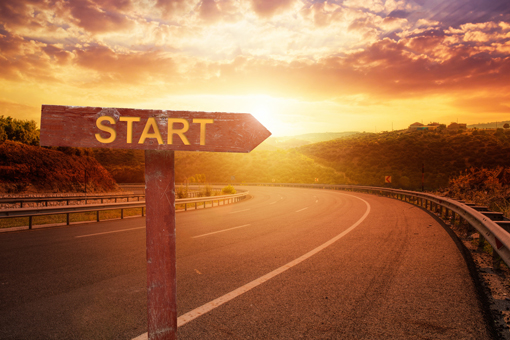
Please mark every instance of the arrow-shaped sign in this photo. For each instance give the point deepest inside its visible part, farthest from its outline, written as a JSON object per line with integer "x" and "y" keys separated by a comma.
{"x": 119, "y": 128}
{"x": 160, "y": 132}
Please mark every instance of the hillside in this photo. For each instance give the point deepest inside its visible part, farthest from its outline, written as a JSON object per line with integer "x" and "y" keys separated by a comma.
{"x": 127, "y": 166}
{"x": 490, "y": 125}
{"x": 26, "y": 168}
{"x": 289, "y": 142}
{"x": 282, "y": 166}
{"x": 366, "y": 159}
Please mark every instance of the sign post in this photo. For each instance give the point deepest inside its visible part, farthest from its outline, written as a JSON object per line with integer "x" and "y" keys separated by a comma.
{"x": 159, "y": 133}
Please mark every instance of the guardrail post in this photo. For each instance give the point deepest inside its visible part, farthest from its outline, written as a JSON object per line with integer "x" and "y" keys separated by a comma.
{"x": 121, "y": 213}
{"x": 185, "y": 207}
{"x": 481, "y": 241}
{"x": 67, "y": 218}
{"x": 98, "y": 215}
{"x": 142, "y": 211}
{"x": 195, "y": 205}
{"x": 30, "y": 222}
{"x": 496, "y": 259}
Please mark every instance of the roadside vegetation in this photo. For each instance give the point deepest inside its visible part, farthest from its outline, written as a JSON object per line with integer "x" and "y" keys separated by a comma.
{"x": 487, "y": 187}
{"x": 26, "y": 168}
{"x": 366, "y": 159}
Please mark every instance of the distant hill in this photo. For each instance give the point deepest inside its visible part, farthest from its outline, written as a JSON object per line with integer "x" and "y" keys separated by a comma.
{"x": 366, "y": 159}
{"x": 491, "y": 125}
{"x": 282, "y": 166}
{"x": 289, "y": 142}
{"x": 127, "y": 166}
{"x": 26, "y": 168}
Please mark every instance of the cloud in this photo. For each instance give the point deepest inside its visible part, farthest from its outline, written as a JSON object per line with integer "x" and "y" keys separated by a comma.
{"x": 457, "y": 12}
{"x": 129, "y": 68}
{"x": 213, "y": 11}
{"x": 268, "y": 8}
{"x": 95, "y": 19}
{"x": 172, "y": 8}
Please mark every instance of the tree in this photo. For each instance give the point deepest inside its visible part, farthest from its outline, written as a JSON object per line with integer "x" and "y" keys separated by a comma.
{"x": 24, "y": 131}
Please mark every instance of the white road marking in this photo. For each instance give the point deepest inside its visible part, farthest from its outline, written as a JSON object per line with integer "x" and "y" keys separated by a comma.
{"x": 190, "y": 316}
{"x": 235, "y": 212}
{"x": 220, "y": 231}
{"x": 302, "y": 209}
{"x": 109, "y": 232}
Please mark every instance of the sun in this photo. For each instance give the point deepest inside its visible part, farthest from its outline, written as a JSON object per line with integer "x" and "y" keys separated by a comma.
{"x": 266, "y": 117}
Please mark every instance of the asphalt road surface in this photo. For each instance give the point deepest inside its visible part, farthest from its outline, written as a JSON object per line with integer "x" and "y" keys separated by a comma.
{"x": 288, "y": 263}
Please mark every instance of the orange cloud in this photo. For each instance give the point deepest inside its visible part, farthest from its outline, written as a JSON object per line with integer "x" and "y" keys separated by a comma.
{"x": 268, "y": 8}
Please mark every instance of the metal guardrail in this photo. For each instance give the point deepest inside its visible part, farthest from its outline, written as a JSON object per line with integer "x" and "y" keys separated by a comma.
{"x": 60, "y": 210}
{"x": 492, "y": 227}
{"x": 86, "y": 198}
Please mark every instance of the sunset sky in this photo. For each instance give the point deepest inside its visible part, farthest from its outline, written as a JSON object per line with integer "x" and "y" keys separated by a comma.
{"x": 299, "y": 66}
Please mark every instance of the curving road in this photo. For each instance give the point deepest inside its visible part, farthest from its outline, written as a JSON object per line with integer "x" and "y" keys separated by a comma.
{"x": 288, "y": 263}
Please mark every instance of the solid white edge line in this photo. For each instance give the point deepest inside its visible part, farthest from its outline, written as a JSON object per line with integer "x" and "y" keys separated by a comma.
{"x": 235, "y": 212}
{"x": 220, "y": 231}
{"x": 190, "y": 316}
{"x": 109, "y": 232}
{"x": 302, "y": 209}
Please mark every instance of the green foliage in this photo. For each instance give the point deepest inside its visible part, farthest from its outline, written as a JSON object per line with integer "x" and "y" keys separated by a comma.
{"x": 208, "y": 191}
{"x": 404, "y": 182}
{"x": 366, "y": 159}
{"x": 181, "y": 192}
{"x": 290, "y": 166}
{"x": 125, "y": 166}
{"x": 228, "y": 190}
{"x": 23, "y": 131}
{"x": 284, "y": 166}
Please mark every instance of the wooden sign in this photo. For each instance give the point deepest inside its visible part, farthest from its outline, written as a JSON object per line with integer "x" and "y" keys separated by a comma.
{"x": 159, "y": 132}
{"x": 97, "y": 127}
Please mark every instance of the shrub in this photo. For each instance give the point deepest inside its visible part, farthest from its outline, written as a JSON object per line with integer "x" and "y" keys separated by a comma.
{"x": 229, "y": 189}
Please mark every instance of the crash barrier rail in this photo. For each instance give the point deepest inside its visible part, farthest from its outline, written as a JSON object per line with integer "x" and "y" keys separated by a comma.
{"x": 492, "y": 226}
{"x": 67, "y": 199}
{"x": 192, "y": 188}
{"x": 60, "y": 210}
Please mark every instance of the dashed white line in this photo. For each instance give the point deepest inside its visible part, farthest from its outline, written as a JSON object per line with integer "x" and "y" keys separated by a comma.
{"x": 109, "y": 232}
{"x": 221, "y": 231}
{"x": 235, "y": 212}
{"x": 190, "y": 316}
{"x": 302, "y": 209}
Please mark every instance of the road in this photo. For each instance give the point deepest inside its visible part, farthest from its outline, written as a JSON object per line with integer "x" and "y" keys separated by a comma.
{"x": 288, "y": 263}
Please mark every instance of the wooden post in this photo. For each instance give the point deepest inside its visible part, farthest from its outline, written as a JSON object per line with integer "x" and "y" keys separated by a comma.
{"x": 160, "y": 228}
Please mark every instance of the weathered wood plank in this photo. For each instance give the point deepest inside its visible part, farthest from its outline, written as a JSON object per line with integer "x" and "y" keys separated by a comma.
{"x": 123, "y": 128}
